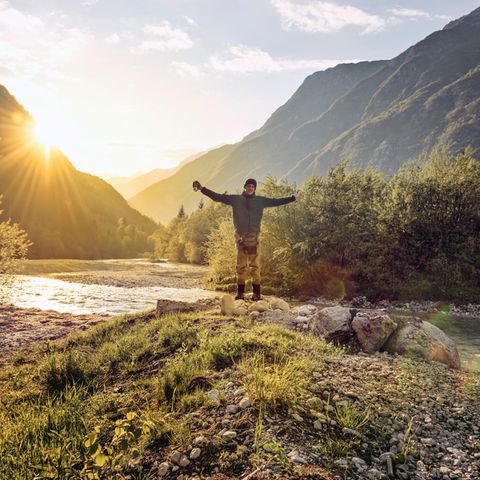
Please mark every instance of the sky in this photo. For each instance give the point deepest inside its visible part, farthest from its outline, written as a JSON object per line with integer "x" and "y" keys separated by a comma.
{"x": 126, "y": 86}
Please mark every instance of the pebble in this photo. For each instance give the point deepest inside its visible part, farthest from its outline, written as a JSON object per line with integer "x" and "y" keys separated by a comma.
{"x": 239, "y": 391}
{"x": 213, "y": 395}
{"x": 297, "y": 417}
{"x": 232, "y": 409}
{"x": 195, "y": 453}
{"x": 229, "y": 435}
{"x": 244, "y": 403}
{"x": 163, "y": 469}
{"x": 295, "y": 457}
{"x": 200, "y": 440}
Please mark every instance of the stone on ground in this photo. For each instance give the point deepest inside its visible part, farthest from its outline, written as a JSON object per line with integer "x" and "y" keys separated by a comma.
{"x": 227, "y": 305}
{"x": 417, "y": 338}
{"x": 373, "y": 328}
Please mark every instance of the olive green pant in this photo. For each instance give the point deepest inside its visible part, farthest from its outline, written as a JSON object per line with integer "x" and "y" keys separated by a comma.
{"x": 247, "y": 260}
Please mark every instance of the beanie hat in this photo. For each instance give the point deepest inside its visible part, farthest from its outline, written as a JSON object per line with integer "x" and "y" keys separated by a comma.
{"x": 250, "y": 181}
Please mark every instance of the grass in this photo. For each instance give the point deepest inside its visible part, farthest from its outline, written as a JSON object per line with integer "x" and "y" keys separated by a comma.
{"x": 158, "y": 369}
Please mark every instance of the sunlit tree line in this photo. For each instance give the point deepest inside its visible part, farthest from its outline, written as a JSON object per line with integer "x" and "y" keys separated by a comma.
{"x": 413, "y": 235}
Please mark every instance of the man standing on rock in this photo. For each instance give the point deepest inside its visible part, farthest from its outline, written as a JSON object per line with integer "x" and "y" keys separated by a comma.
{"x": 247, "y": 217}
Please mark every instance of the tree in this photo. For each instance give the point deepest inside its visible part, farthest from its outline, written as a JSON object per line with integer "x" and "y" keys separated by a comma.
{"x": 13, "y": 248}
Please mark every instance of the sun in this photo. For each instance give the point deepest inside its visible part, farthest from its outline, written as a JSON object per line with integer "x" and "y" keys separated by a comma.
{"x": 44, "y": 134}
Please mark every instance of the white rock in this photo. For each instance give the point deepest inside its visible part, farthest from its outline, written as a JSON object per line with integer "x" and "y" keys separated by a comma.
{"x": 195, "y": 453}
{"x": 295, "y": 457}
{"x": 244, "y": 403}
{"x": 227, "y": 305}
{"x": 229, "y": 435}
{"x": 280, "y": 304}
{"x": 260, "y": 306}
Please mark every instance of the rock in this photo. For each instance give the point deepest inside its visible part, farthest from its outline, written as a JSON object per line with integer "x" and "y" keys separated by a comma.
{"x": 414, "y": 337}
{"x": 317, "y": 425}
{"x": 306, "y": 310}
{"x": 280, "y": 304}
{"x": 297, "y": 417}
{"x": 213, "y": 395}
{"x": 245, "y": 403}
{"x": 359, "y": 463}
{"x": 232, "y": 409}
{"x": 227, "y": 305}
{"x": 240, "y": 311}
{"x": 254, "y": 314}
{"x": 229, "y": 435}
{"x": 184, "y": 461}
{"x": 373, "y": 329}
{"x": 195, "y": 453}
{"x": 176, "y": 456}
{"x": 334, "y": 324}
{"x": 295, "y": 457}
{"x": 260, "y": 306}
{"x": 200, "y": 440}
{"x": 374, "y": 474}
{"x": 163, "y": 469}
{"x": 239, "y": 391}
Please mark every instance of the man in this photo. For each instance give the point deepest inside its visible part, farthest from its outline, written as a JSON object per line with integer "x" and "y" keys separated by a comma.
{"x": 247, "y": 216}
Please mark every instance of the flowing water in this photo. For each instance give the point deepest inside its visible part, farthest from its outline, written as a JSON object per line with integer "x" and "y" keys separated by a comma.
{"x": 78, "y": 298}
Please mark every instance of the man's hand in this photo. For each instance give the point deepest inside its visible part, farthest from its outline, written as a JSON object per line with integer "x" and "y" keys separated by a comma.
{"x": 298, "y": 195}
{"x": 197, "y": 185}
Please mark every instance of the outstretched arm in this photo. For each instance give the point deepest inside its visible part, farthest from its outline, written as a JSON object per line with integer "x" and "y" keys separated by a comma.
{"x": 276, "y": 202}
{"x": 216, "y": 197}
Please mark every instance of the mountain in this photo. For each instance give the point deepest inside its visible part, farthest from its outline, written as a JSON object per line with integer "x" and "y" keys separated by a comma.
{"x": 66, "y": 213}
{"x": 379, "y": 114}
{"x": 130, "y": 186}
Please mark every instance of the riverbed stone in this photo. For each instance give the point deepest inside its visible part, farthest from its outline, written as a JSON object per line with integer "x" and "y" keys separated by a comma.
{"x": 227, "y": 305}
{"x": 373, "y": 328}
{"x": 334, "y": 324}
{"x": 280, "y": 304}
{"x": 416, "y": 338}
{"x": 260, "y": 306}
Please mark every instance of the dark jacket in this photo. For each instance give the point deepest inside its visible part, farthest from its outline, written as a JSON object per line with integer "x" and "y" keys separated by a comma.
{"x": 247, "y": 209}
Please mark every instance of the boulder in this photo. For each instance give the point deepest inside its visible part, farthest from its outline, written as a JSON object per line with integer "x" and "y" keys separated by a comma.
{"x": 414, "y": 337}
{"x": 334, "y": 324}
{"x": 239, "y": 311}
{"x": 227, "y": 305}
{"x": 373, "y": 328}
{"x": 260, "y": 306}
{"x": 280, "y": 304}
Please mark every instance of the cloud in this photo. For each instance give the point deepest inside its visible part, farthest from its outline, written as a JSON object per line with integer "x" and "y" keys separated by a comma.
{"x": 113, "y": 39}
{"x": 325, "y": 17}
{"x": 183, "y": 69}
{"x": 244, "y": 59}
{"x": 190, "y": 21}
{"x": 31, "y": 47}
{"x": 414, "y": 14}
{"x": 166, "y": 37}
{"x": 89, "y": 3}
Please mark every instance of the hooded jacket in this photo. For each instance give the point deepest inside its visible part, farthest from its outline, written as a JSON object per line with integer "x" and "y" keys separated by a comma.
{"x": 247, "y": 209}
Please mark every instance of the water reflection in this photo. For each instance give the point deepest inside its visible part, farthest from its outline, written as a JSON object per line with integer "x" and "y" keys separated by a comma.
{"x": 77, "y": 298}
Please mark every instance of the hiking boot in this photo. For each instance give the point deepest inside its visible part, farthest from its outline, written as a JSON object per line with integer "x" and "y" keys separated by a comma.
{"x": 240, "y": 292}
{"x": 256, "y": 293}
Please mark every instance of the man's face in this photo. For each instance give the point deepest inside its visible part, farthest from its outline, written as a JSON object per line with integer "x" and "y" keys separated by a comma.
{"x": 249, "y": 188}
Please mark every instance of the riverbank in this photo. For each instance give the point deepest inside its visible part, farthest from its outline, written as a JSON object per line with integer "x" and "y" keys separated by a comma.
{"x": 218, "y": 398}
{"x": 129, "y": 273}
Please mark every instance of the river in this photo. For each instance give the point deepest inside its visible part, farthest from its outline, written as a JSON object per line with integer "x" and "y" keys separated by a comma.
{"x": 120, "y": 286}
